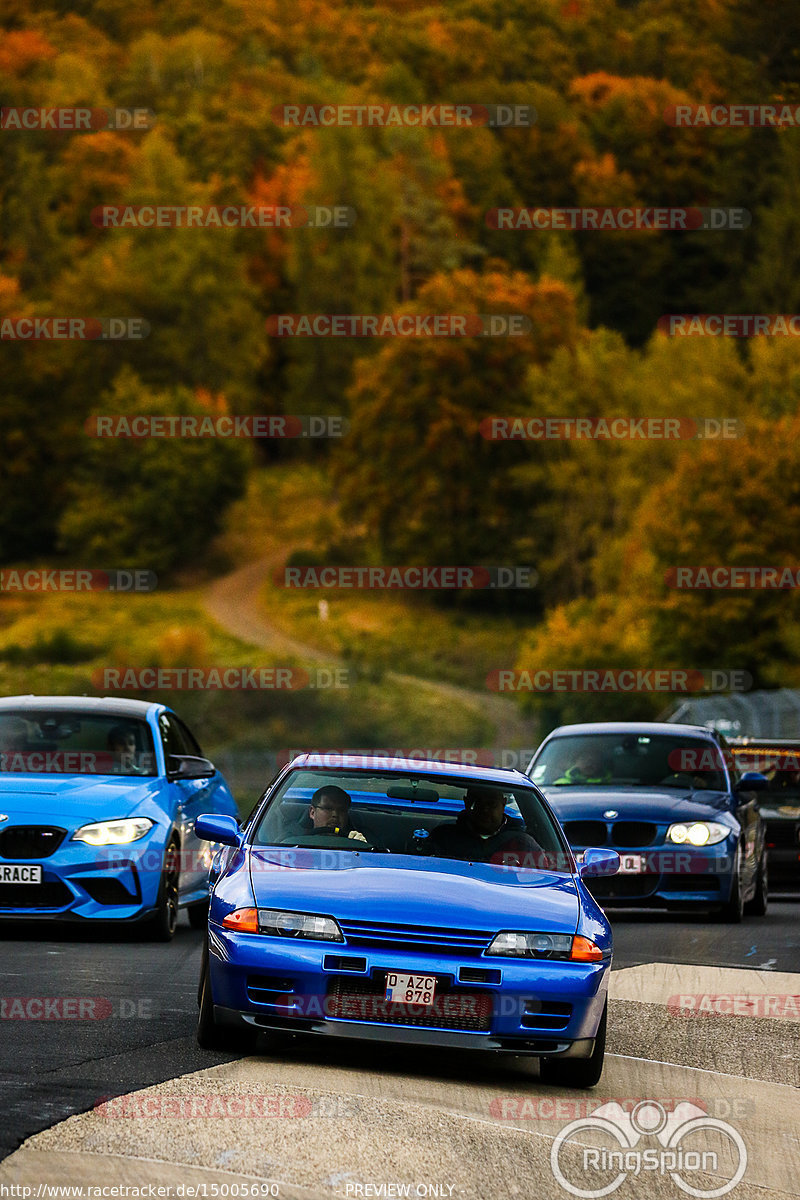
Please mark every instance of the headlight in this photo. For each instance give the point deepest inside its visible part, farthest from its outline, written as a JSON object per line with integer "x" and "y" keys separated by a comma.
{"x": 114, "y": 833}
{"x": 698, "y": 833}
{"x": 561, "y": 946}
{"x": 298, "y": 925}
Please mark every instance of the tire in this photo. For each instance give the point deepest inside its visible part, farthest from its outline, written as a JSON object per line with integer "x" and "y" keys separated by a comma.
{"x": 211, "y": 1035}
{"x": 757, "y": 907}
{"x": 161, "y": 927}
{"x": 732, "y": 911}
{"x": 578, "y": 1072}
{"x": 198, "y": 915}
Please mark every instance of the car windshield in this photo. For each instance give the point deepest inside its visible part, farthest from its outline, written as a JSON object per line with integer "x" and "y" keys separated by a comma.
{"x": 70, "y": 743}
{"x": 629, "y": 760}
{"x": 414, "y": 814}
{"x": 780, "y": 764}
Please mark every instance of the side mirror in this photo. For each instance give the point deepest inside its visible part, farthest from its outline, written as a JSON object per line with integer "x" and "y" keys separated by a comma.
{"x": 218, "y": 827}
{"x": 189, "y": 766}
{"x": 752, "y": 781}
{"x": 598, "y": 862}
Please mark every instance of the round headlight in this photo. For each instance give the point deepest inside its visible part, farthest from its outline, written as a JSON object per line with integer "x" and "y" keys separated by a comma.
{"x": 698, "y": 834}
{"x": 679, "y": 833}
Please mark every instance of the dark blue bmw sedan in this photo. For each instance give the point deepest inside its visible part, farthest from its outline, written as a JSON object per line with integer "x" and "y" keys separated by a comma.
{"x": 407, "y": 902}
{"x": 669, "y": 799}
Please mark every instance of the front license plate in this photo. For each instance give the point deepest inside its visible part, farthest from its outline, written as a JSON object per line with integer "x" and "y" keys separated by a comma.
{"x": 630, "y": 864}
{"x": 20, "y": 873}
{"x": 410, "y": 989}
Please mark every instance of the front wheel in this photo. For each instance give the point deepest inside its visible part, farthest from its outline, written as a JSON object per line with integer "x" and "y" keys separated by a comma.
{"x": 578, "y": 1072}
{"x": 161, "y": 927}
{"x": 732, "y": 911}
{"x": 758, "y": 905}
{"x": 210, "y": 1034}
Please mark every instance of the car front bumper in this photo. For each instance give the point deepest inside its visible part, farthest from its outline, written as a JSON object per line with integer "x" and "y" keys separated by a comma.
{"x": 483, "y": 1002}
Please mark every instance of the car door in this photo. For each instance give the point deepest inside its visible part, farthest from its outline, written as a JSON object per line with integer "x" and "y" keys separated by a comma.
{"x": 190, "y": 798}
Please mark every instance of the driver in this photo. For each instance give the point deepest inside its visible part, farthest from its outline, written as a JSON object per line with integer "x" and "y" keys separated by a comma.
{"x": 587, "y": 768}
{"x": 329, "y": 812}
{"x": 483, "y": 833}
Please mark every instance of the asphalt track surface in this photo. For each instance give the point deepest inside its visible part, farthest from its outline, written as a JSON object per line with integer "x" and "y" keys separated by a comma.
{"x": 145, "y": 993}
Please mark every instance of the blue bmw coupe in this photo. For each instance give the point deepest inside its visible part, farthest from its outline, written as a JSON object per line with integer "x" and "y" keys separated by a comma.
{"x": 670, "y": 800}
{"x": 98, "y": 801}
{"x": 407, "y": 902}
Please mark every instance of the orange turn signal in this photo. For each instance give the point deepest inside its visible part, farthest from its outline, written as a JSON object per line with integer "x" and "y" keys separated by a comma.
{"x": 585, "y": 951}
{"x": 243, "y": 920}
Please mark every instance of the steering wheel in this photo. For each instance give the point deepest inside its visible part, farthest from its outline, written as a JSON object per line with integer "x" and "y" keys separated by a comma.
{"x": 326, "y": 840}
{"x": 682, "y": 779}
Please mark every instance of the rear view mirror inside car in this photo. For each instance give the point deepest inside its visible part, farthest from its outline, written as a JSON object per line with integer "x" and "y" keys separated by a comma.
{"x": 416, "y": 795}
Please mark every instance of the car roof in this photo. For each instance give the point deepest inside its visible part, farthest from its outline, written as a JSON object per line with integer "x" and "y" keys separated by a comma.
{"x": 115, "y": 706}
{"x": 651, "y": 727}
{"x": 404, "y": 766}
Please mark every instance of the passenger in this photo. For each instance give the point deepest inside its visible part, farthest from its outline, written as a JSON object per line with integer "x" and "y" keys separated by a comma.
{"x": 483, "y": 833}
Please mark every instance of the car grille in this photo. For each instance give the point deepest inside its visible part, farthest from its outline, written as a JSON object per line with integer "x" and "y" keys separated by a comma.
{"x": 586, "y": 833}
{"x": 30, "y": 841}
{"x": 416, "y": 938}
{"x": 49, "y": 894}
{"x": 623, "y": 887}
{"x": 453, "y": 1008}
{"x": 619, "y": 833}
{"x": 633, "y": 833}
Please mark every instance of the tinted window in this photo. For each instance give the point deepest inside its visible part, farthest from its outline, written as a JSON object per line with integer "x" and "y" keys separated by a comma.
{"x": 629, "y": 759}
{"x": 401, "y": 814}
{"x": 48, "y": 742}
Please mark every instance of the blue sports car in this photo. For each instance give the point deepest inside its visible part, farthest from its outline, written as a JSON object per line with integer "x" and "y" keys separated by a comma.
{"x": 98, "y": 801}
{"x": 407, "y": 902}
{"x": 670, "y": 800}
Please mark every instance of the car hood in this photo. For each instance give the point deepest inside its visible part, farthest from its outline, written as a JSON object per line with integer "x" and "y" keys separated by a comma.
{"x": 413, "y": 891}
{"x": 56, "y": 799}
{"x": 636, "y": 804}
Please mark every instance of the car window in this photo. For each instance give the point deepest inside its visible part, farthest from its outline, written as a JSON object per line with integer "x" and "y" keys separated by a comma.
{"x": 629, "y": 760}
{"x": 419, "y": 815}
{"x": 172, "y": 735}
{"x": 189, "y": 740}
{"x": 75, "y": 743}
